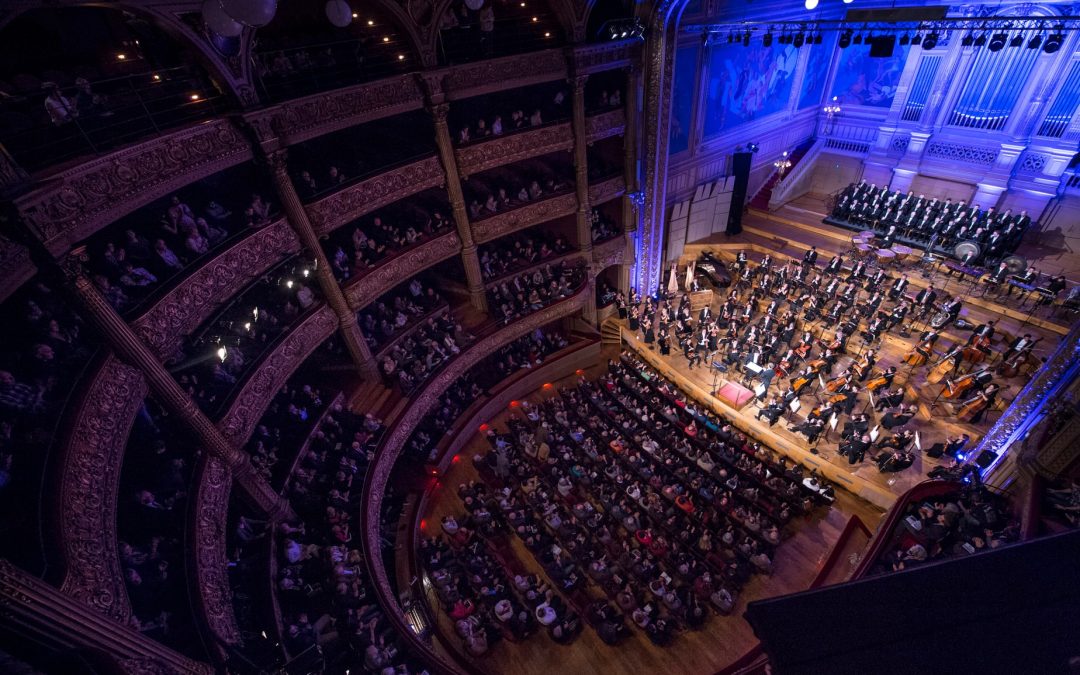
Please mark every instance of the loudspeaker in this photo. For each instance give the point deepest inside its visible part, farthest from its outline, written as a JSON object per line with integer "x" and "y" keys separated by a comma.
{"x": 985, "y": 458}
{"x": 740, "y": 166}
{"x": 882, "y": 46}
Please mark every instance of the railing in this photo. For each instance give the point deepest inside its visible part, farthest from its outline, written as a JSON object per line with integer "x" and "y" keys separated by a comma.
{"x": 797, "y": 182}
{"x": 513, "y": 147}
{"x": 606, "y": 190}
{"x": 530, "y": 214}
{"x": 610, "y": 252}
{"x": 361, "y": 291}
{"x": 42, "y": 129}
{"x": 254, "y": 395}
{"x": 605, "y": 124}
{"x": 853, "y": 147}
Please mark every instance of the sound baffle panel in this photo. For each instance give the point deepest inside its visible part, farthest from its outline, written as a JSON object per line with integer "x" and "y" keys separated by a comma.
{"x": 705, "y": 214}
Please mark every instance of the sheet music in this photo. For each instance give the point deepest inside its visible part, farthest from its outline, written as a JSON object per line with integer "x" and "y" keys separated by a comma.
{"x": 795, "y": 405}
{"x": 874, "y": 433}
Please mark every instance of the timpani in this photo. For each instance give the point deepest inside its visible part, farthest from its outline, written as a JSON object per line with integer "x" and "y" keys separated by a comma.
{"x": 902, "y": 252}
{"x": 885, "y": 256}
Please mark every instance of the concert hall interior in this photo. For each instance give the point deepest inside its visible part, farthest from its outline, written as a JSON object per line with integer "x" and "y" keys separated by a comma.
{"x": 485, "y": 337}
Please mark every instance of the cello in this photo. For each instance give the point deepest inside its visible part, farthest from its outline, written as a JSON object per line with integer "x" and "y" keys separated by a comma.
{"x": 922, "y": 353}
{"x": 1011, "y": 366}
{"x": 943, "y": 366}
{"x": 878, "y": 382}
{"x": 956, "y": 389}
{"x": 974, "y": 406}
{"x": 835, "y": 383}
{"x": 978, "y": 349}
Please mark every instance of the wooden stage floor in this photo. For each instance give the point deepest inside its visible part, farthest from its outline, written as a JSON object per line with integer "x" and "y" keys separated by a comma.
{"x": 720, "y": 642}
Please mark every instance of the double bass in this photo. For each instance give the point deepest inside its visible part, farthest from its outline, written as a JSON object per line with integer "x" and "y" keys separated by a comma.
{"x": 877, "y": 382}
{"x": 1011, "y": 366}
{"x": 978, "y": 349}
{"x": 973, "y": 407}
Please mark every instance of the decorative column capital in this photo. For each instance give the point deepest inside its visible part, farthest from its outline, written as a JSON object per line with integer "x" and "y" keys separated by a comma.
{"x": 277, "y": 161}
{"x": 439, "y": 111}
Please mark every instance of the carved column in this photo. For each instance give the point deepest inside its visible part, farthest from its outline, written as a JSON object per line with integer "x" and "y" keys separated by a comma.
{"x": 630, "y": 172}
{"x": 469, "y": 259}
{"x": 581, "y": 162}
{"x": 29, "y": 606}
{"x": 172, "y": 396}
{"x": 298, "y": 220}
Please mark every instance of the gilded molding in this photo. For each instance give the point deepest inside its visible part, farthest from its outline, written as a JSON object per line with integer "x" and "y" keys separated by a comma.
{"x": 74, "y": 204}
{"x": 183, "y": 309}
{"x": 605, "y": 125}
{"x": 359, "y": 199}
{"x": 211, "y": 582}
{"x": 304, "y": 118}
{"x": 473, "y": 79}
{"x": 91, "y": 456}
{"x": 531, "y": 214}
{"x": 271, "y": 373}
{"x": 15, "y": 266}
{"x": 360, "y": 292}
{"x": 610, "y": 253}
{"x": 607, "y": 190}
{"x": 502, "y": 150}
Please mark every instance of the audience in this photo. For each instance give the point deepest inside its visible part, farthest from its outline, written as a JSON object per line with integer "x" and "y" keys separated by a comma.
{"x": 603, "y": 227}
{"x": 510, "y": 187}
{"x": 509, "y": 111}
{"x": 519, "y": 251}
{"x": 528, "y": 292}
{"x": 410, "y": 361}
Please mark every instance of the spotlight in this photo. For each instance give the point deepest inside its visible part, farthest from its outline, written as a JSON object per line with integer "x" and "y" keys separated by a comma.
{"x": 766, "y": 40}
{"x": 1017, "y": 40}
{"x": 904, "y": 39}
{"x": 1053, "y": 41}
{"x": 1035, "y": 42}
{"x": 845, "y": 39}
{"x": 930, "y": 41}
{"x": 222, "y": 353}
{"x": 848, "y": 2}
{"x": 916, "y": 39}
{"x": 980, "y": 39}
{"x": 730, "y": 38}
{"x": 997, "y": 41}
{"x": 967, "y": 40}
{"x": 817, "y": 39}
{"x": 752, "y": 147}
{"x": 858, "y": 39}
{"x": 746, "y": 39}
{"x": 810, "y": 4}
{"x": 800, "y": 40}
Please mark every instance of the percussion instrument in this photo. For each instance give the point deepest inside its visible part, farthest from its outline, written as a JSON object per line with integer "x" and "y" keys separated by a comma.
{"x": 863, "y": 250}
{"x": 967, "y": 250}
{"x": 1027, "y": 288}
{"x": 1015, "y": 264}
{"x": 902, "y": 252}
{"x": 868, "y": 235}
{"x": 857, "y": 239}
{"x": 885, "y": 256}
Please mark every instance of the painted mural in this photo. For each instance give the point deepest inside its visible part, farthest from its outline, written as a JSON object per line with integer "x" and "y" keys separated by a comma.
{"x": 812, "y": 88}
{"x": 864, "y": 80}
{"x": 682, "y": 98}
{"x": 747, "y": 83}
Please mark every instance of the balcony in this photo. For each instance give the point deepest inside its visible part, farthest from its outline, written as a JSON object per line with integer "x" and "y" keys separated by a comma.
{"x": 360, "y": 292}
{"x": 513, "y": 147}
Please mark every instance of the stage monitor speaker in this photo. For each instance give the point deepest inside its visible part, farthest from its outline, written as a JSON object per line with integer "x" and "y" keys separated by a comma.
{"x": 882, "y": 46}
{"x": 985, "y": 458}
{"x": 740, "y": 165}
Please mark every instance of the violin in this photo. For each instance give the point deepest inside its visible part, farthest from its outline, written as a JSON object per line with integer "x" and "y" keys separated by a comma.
{"x": 956, "y": 389}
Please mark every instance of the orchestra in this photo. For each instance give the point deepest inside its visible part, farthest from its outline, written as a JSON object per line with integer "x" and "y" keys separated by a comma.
{"x": 791, "y": 322}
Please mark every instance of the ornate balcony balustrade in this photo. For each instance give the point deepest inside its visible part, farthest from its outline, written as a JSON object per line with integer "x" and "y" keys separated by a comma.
{"x": 195, "y": 299}
{"x": 74, "y": 204}
{"x": 595, "y": 58}
{"x": 15, "y": 267}
{"x": 606, "y": 190}
{"x": 89, "y": 482}
{"x": 362, "y": 291}
{"x": 611, "y": 252}
{"x": 366, "y": 196}
{"x": 531, "y": 214}
{"x": 257, "y": 391}
{"x": 207, "y": 546}
{"x": 514, "y": 147}
{"x": 605, "y": 125}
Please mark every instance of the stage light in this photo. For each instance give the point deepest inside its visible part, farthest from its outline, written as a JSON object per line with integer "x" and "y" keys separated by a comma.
{"x": 845, "y": 39}
{"x": 746, "y": 39}
{"x": 810, "y": 4}
{"x": 858, "y": 39}
{"x": 1035, "y": 42}
{"x": 730, "y": 37}
{"x": 222, "y": 353}
{"x": 289, "y": 283}
{"x": 967, "y": 40}
{"x": 930, "y": 41}
{"x": 904, "y": 39}
{"x": 997, "y": 41}
{"x": 817, "y": 39}
{"x": 800, "y": 40}
{"x": 848, "y": 2}
{"x": 916, "y": 39}
{"x": 1017, "y": 40}
{"x": 1053, "y": 41}
{"x": 766, "y": 39}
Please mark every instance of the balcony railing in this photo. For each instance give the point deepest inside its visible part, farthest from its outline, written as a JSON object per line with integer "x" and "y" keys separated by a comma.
{"x": 528, "y": 215}
{"x": 513, "y": 147}
{"x": 360, "y": 292}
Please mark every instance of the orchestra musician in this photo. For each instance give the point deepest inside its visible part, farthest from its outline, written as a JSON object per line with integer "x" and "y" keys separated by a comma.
{"x": 865, "y": 364}
{"x": 858, "y": 424}
{"x": 974, "y": 409}
{"x": 924, "y": 300}
{"x": 897, "y": 288}
{"x": 1018, "y": 345}
{"x": 885, "y": 379}
{"x": 899, "y": 417}
{"x": 810, "y": 257}
{"x": 983, "y": 330}
{"x": 772, "y": 411}
{"x": 855, "y": 448}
